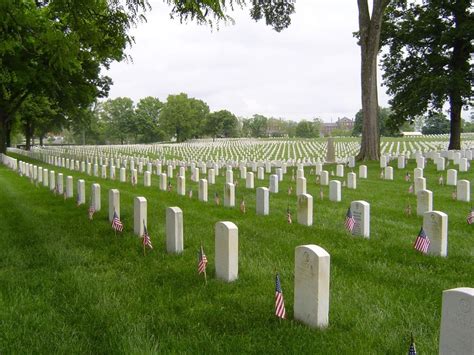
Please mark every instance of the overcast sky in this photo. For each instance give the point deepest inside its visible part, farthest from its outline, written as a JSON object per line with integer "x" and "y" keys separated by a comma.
{"x": 311, "y": 69}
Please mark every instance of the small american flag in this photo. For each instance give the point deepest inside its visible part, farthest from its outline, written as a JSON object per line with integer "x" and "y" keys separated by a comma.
{"x": 407, "y": 177}
{"x": 350, "y": 221}
{"x": 412, "y": 349}
{"x": 202, "y": 262}
{"x": 134, "y": 179}
{"x": 217, "y": 199}
{"x": 91, "y": 212}
{"x": 288, "y": 215}
{"x": 117, "y": 224}
{"x": 422, "y": 242}
{"x": 321, "y": 194}
{"x": 290, "y": 190}
{"x": 279, "y": 302}
{"x": 381, "y": 174}
{"x": 242, "y": 206}
{"x": 190, "y": 194}
{"x": 454, "y": 195}
{"x": 470, "y": 217}
{"x": 146, "y": 238}
{"x": 170, "y": 187}
{"x": 441, "y": 180}
{"x": 410, "y": 189}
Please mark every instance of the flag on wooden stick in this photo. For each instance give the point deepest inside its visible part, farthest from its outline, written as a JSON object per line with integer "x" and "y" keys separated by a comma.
{"x": 350, "y": 221}
{"x": 410, "y": 189}
{"x": 146, "y": 238}
{"x": 279, "y": 302}
{"x": 470, "y": 217}
{"x": 117, "y": 224}
{"x": 242, "y": 206}
{"x": 412, "y": 349}
{"x": 91, "y": 212}
{"x": 288, "y": 215}
{"x": 422, "y": 242}
{"x": 202, "y": 261}
{"x": 407, "y": 177}
{"x": 217, "y": 200}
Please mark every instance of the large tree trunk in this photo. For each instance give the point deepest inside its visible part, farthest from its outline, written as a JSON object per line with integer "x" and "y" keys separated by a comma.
{"x": 459, "y": 61}
{"x": 3, "y": 132}
{"x": 370, "y": 27}
{"x": 455, "y": 102}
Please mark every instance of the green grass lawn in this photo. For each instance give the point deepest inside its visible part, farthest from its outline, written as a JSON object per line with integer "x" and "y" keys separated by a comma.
{"x": 68, "y": 284}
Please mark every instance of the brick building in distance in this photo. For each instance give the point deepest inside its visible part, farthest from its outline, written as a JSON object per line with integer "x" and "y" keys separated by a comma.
{"x": 343, "y": 123}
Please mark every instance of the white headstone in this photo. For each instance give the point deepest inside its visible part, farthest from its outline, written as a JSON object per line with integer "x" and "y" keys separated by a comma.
{"x": 260, "y": 173}
{"x": 352, "y": 180}
{"x": 181, "y": 188}
{"x": 114, "y": 203}
{"x": 324, "y": 178}
{"x": 174, "y": 230}
{"x": 229, "y": 195}
{"x": 139, "y": 215}
{"x": 388, "y": 174}
{"x": 147, "y": 178}
{"x": 249, "y": 181}
{"x": 203, "y": 190}
{"x": 305, "y": 209}
{"x": 340, "y": 170}
{"x": 440, "y": 164}
{"x": 123, "y": 175}
{"x": 211, "y": 177}
{"x": 463, "y": 167}
{"x": 60, "y": 183}
{"x": 401, "y": 162}
{"x": 163, "y": 182}
{"x": 274, "y": 183}
{"x": 81, "y": 191}
{"x": 435, "y": 224}
{"x": 227, "y": 251}
{"x": 45, "y": 178}
{"x": 95, "y": 197}
{"x": 417, "y": 172}
{"x": 69, "y": 187}
{"x": 300, "y": 186}
{"x": 229, "y": 176}
{"x": 361, "y": 213}
{"x": 312, "y": 267}
{"x": 420, "y": 184}
{"x": 383, "y": 161}
{"x": 363, "y": 172}
{"x": 463, "y": 191}
{"x": 457, "y": 322}
{"x": 452, "y": 177}
{"x": 335, "y": 190}
{"x": 424, "y": 202}
{"x": 263, "y": 201}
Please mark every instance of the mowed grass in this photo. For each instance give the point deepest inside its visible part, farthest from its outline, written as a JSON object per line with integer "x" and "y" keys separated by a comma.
{"x": 68, "y": 284}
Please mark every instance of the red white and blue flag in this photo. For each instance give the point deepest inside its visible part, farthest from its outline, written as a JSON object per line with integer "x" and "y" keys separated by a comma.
{"x": 279, "y": 302}
{"x": 202, "y": 262}
{"x": 470, "y": 217}
{"x": 350, "y": 221}
{"x": 146, "y": 237}
{"x": 422, "y": 242}
{"x": 117, "y": 224}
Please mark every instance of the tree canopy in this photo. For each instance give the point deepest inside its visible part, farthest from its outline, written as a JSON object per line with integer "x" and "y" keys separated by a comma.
{"x": 427, "y": 63}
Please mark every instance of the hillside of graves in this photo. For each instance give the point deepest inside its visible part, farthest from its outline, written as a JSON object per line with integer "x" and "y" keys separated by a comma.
{"x": 70, "y": 283}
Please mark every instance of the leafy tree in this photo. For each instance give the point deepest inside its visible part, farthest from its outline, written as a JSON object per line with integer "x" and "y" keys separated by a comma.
{"x": 56, "y": 49}
{"x": 182, "y": 117}
{"x": 221, "y": 124}
{"x": 37, "y": 114}
{"x": 258, "y": 126}
{"x": 147, "y": 120}
{"x": 428, "y": 59}
{"x": 306, "y": 129}
{"x": 386, "y": 129}
{"x": 436, "y": 123}
{"x": 119, "y": 115}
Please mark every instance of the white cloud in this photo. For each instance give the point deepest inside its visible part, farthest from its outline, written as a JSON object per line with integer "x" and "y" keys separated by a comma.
{"x": 310, "y": 69}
